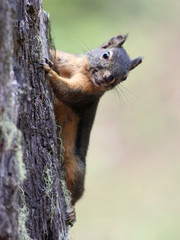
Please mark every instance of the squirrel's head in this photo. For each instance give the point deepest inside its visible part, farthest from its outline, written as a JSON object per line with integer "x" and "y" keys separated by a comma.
{"x": 110, "y": 64}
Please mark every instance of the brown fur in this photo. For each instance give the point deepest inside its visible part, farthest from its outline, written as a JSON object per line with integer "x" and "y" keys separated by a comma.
{"x": 75, "y": 73}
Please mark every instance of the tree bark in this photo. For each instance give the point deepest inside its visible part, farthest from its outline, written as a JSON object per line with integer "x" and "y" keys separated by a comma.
{"x": 32, "y": 204}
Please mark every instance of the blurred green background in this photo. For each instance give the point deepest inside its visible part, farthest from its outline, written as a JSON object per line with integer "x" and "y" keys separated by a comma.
{"x": 133, "y": 164}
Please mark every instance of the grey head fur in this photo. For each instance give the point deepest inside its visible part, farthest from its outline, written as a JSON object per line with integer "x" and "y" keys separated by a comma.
{"x": 110, "y": 63}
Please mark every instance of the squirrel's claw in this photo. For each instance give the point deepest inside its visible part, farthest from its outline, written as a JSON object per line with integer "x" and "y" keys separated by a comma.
{"x": 47, "y": 68}
{"x": 70, "y": 217}
{"x": 47, "y": 65}
{"x": 49, "y": 62}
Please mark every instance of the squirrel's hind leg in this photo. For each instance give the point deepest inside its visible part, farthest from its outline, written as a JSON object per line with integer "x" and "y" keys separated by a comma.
{"x": 70, "y": 216}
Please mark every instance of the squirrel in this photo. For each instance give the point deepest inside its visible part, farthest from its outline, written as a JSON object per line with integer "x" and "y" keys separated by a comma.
{"x": 78, "y": 83}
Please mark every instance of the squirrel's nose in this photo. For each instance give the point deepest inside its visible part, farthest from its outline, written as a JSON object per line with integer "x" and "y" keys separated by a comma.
{"x": 108, "y": 78}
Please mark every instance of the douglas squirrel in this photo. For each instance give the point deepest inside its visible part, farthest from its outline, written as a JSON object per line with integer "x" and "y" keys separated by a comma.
{"x": 78, "y": 82}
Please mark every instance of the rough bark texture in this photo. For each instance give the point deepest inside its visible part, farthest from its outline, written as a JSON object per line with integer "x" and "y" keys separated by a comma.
{"x": 9, "y": 172}
{"x": 31, "y": 207}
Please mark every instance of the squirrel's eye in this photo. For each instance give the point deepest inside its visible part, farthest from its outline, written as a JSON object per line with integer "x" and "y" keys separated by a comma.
{"x": 106, "y": 55}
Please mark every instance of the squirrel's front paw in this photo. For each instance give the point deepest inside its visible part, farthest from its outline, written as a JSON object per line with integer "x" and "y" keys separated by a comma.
{"x": 47, "y": 65}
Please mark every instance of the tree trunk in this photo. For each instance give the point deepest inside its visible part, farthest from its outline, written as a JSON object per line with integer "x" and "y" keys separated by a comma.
{"x": 32, "y": 204}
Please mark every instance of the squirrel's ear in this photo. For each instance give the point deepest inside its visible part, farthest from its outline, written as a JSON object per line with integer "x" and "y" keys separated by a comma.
{"x": 135, "y": 62}
{"x": 115, "y": 42}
